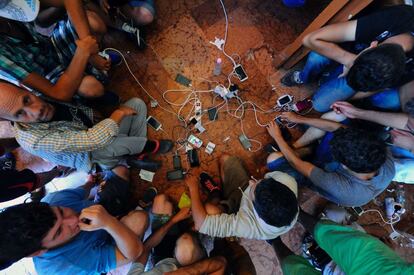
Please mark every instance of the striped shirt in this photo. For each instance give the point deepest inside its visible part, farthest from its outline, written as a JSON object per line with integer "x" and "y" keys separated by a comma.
{"x": 48, "y": 57}
{"x": 19, "y": 58}
{"x": 66, "y": 143}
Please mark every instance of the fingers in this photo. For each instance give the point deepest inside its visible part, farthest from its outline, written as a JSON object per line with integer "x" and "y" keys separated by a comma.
{"x": 397, "y": 132}
{"x": 105, "y": 6}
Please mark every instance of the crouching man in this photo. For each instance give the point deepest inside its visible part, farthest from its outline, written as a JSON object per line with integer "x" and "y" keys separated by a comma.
{"x": 260, "y": 210}
{"x": 68, "y": 234}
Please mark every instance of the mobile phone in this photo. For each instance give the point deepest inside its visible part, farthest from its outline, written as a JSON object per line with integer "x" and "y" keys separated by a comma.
{"x": 358, "y": 210}
{"x": 283, "y": 100}
{"x": 303, "y": 105}
{"x": 241, "y": 74}
{"x": 279, "y": 120}
{"x": 177, "y": 162}
{"x": 155, "y": 124}
{"x": 183, "y": 80}
{"x": 193, "y": 158}
{"x": 175, "y": 175}
{"x": 245, "y": 142}
{"x": 195, "y": 141}
{"x": 212, "y": 113}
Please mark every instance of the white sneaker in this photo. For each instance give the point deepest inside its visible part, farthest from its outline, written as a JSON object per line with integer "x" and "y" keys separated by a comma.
{"x": 131, "y": 29}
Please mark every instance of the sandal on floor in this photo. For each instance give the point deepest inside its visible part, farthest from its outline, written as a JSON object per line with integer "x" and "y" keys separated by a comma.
{"x": 208, "y": 184}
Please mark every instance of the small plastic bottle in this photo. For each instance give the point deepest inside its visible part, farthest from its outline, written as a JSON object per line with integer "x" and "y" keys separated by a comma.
{"x": 400, "y": 194}
{"x": 217, "y": 67}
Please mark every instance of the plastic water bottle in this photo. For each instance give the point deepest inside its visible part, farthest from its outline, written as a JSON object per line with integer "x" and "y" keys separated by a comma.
{"x": 217, "y": 67}
{"x": 400, "y": 195}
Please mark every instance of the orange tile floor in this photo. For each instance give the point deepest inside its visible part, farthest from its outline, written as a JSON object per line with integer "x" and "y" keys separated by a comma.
{"x": 179, "y": 43}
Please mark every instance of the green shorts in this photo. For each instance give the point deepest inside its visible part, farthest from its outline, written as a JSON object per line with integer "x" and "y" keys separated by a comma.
{"x": 355, "y": 252}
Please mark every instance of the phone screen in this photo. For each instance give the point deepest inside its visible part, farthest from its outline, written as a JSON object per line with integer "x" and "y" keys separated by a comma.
{"x": 284, "y": 100}
{"x": 240, "y": 72}
{"x": 153, "y": 123}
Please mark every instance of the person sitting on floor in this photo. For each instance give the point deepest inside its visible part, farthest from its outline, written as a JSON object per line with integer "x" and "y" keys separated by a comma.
{"x": 68, "y": 234}
{"x": 371, "y": 70}
{"x": 53, "y": 66}
{"x": 355, "y": 166}
{"x": 14, "y": 184}
{"x": 401, "y": 140}
{"x": 171, "y": 251}
{"x": 260, "y": 210}
{"x": 128, "y": 16}
{"x": 355, "y": 252}
{"x": 65, "y": 134}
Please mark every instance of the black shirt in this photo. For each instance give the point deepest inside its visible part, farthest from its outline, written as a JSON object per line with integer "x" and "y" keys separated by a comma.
{"x": 387, "y": 23}
{"x": 66, "y": 113}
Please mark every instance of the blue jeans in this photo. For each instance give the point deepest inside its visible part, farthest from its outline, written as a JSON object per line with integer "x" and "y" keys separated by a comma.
{"x": 335, "y": 88}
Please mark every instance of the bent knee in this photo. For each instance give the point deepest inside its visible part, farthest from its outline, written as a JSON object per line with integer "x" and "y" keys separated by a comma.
{"x": 91, "y": 87}
{"x": 212, "y": 209}
{"x": 96, "y": 23}
{"x": 122, "y": 172}
{"x": 162, "y": 205}
{"x": 224, "y": 158}
{"x": 142, "y": 15}
{"x": 274, "y": 156}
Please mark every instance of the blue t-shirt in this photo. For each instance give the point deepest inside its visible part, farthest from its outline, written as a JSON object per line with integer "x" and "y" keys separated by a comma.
{"x": 88, "y": 253}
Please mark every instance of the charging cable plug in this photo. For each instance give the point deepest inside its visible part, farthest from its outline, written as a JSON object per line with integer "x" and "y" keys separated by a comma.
{"x": 154, "y": 103}
{"x": 218, "y": 43}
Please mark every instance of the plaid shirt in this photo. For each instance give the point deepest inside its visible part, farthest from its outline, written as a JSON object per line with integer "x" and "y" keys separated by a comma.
{"x": 19, "y": 58}
{"x": 67, "y": 143}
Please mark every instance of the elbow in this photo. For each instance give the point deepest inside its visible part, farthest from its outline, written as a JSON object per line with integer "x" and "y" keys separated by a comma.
{"x": 221, "y": 261}
{"x": 60, "y": 94}
{"x": 310, "y": 40}
{"x": 138, "y": 251}
{"x": 135, "y": 252}
{"x": 197, "y": 226}
{"x": 198, "y": 223}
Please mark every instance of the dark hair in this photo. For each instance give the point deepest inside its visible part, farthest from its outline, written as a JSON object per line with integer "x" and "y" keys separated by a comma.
{"x": 22, "y": 229}
{"x": 377, "y": 68}
{"x": 359, "y": 150}
{"x": 275, "y": 203}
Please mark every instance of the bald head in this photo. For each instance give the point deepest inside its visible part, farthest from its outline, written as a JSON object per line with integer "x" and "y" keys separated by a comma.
{"x": 19, "y": 105}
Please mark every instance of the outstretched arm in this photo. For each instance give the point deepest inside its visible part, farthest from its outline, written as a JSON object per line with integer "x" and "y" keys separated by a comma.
{"x": 320, "y": 123}
{"x": 396, "y": 120}
{"x": 324, "y": 41}
{"x": 197, "y": 208}
{"x": 69, "y": 82}
{"x": 303, "y": 167}
{"x": 158, "y": 235}
{"x": 211, "y": 266}
{"x": 76, "y": 12}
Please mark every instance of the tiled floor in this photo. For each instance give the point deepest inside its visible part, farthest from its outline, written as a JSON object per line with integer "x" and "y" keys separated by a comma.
{"x": 179, "y": 43}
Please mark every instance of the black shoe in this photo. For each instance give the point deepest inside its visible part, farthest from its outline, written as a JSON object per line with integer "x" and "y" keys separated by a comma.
{"x": 165, "y": 146}
{"x": 36, "y": 195}
{"x": 136, "y": 35}
{"x": 291, "y": 79}
{"x": 271, "y": 148}
{"x": 145, "y": 164}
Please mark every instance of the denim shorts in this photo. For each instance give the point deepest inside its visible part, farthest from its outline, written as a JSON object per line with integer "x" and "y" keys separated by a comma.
{"x": 282, "y": 165}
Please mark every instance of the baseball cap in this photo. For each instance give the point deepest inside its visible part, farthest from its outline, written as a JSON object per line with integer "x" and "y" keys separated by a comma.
{"x": 19, "y": 10}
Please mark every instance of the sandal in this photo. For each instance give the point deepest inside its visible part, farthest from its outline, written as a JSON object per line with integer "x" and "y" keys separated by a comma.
{"x": 208, "y": 183}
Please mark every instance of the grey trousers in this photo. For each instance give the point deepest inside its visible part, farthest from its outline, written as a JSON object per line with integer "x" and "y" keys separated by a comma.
{"x": 130, "y": 140}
